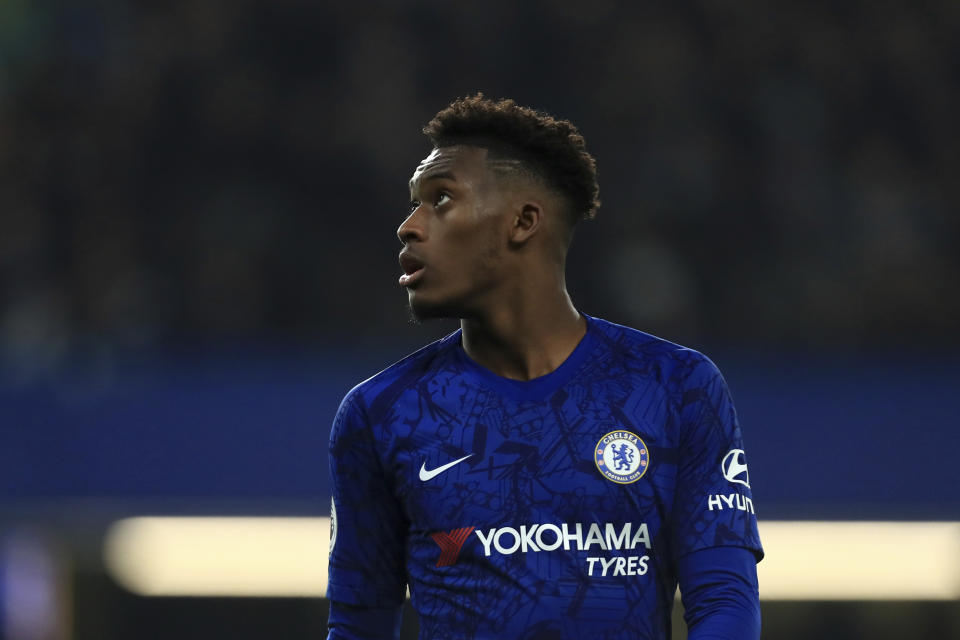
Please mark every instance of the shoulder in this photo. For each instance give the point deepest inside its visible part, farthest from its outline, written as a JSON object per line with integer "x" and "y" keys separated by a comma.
{"x": 668, "y": 360}
{"x": 382, "y": 389}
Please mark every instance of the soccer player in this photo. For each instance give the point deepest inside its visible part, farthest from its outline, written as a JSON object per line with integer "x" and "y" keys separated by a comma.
{"x": 539, "y": 473}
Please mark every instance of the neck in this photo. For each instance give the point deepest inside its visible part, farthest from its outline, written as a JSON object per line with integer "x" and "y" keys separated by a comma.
{"x": 526, "y": 335}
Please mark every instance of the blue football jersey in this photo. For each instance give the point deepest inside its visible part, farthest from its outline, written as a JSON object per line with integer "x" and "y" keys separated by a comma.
{"x": 550, "y": 508}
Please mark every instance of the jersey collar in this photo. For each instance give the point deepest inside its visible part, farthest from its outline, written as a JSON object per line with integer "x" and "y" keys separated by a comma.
{"x": 530, "y": 390}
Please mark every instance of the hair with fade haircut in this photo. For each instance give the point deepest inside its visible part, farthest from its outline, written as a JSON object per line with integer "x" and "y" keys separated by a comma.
{"x": 551, "y": 149}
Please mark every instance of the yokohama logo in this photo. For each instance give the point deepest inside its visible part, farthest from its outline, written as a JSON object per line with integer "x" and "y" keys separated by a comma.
{"x": 545, "y": 537}
{"x": 450, "y": 543}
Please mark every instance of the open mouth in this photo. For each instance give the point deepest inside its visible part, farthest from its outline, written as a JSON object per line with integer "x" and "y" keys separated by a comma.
{"x": 412, "y": 269}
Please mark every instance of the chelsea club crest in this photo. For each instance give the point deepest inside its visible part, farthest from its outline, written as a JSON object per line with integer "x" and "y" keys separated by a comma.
{"x": 622, "y": 457}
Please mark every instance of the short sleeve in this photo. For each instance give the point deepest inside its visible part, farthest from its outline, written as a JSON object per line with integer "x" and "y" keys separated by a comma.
{"x": 713, "y": 503}
{"x": 368, "y": 530}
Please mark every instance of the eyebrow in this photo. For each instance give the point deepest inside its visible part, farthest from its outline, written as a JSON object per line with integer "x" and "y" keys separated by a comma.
{"x": 440, "y": 175}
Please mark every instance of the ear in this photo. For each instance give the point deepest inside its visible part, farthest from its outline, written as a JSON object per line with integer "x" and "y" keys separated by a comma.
{"x": 526, "y": 222}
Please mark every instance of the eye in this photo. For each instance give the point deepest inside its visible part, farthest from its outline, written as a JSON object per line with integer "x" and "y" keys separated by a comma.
{"x": 414, "y": 205}
{"x": 441, "y": 199}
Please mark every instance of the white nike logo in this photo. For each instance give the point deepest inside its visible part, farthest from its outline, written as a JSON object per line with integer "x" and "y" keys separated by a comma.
{"x": 426, "y": 475}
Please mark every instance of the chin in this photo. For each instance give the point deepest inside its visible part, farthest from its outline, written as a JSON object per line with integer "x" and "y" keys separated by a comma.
{"x": 422, "y": 308}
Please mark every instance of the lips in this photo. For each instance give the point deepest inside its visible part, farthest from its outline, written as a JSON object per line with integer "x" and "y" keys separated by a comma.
{"x": 412, "y": 269}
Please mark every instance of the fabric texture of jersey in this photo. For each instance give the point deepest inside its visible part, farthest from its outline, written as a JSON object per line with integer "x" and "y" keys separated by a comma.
{"x": 551, "y": 508}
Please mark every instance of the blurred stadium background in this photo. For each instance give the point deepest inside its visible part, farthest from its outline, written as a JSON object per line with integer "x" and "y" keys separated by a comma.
{"x": 197, "y": 260}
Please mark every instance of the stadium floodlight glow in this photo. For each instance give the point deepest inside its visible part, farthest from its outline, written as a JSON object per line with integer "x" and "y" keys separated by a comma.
{"x": 860, "y": 560}
{"x": 287, "y": 557}
{"x": 197, "y": 556}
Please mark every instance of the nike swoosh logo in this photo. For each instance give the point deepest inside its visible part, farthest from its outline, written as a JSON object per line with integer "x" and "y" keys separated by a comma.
{"x": 426, "y": 475}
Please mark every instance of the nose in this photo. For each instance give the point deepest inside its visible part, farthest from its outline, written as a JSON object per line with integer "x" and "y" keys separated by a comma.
{"x": 411, "y": 228}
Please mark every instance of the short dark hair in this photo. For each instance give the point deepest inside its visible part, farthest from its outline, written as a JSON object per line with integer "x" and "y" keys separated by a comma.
{"x": 552, "y": 149}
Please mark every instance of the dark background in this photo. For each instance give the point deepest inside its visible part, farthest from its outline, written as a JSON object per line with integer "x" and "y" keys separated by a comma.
{"x": 198, "y": 204}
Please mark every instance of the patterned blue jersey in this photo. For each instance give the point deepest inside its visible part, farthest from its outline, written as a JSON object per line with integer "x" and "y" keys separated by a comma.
{"x": 550, "y": 508}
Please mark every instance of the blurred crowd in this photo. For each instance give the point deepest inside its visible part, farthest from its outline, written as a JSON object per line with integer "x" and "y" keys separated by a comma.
{"x": 780, "y": 176}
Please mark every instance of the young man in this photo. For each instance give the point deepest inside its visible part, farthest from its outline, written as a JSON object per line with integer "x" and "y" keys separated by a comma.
{"x": 538, "y": 474}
